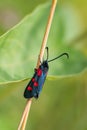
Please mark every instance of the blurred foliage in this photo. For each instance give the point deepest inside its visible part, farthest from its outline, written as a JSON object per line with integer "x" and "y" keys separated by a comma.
{"x": 62, "y": 104}
{"x": 11, "y": 12}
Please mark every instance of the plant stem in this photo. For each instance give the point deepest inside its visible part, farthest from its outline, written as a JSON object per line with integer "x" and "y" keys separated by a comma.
{"x": 46, "y": 34}
{"x": 25, "y": 115}
{"x": 43, "y": 46}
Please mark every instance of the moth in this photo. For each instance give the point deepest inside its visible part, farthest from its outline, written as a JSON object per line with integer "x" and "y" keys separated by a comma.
{"x": 35, "y": 85}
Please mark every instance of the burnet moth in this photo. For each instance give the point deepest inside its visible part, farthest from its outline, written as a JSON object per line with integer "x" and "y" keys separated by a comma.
{"x": 36, "y": 83}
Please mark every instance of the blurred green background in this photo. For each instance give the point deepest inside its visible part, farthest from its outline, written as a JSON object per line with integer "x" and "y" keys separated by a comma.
{"x": 63, "y": 103}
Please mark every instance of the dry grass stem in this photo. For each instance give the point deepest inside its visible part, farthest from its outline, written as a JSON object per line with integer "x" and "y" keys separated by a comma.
{"x": 23, "y": 121}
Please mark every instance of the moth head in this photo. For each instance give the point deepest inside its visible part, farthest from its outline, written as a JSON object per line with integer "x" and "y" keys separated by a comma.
{"x": 45, "y": 65}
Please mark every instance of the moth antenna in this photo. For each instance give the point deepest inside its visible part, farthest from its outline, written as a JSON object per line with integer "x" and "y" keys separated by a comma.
{"x": 66, "y": 54}
{"x": 47, "y": 53}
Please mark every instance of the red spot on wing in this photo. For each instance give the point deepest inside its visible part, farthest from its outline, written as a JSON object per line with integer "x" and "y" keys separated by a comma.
{"x": 39, "y": 72}
{"x": 33, "y": 79}
{"x": 36, "y": 84}
{"x": 29, "y": 88}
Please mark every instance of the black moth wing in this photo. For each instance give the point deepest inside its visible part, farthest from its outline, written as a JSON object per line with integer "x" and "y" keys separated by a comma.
{"x": 30, "y": 90}
{"x": 27, "y": 93}
{"x": 41, "y": 81}
{"x": 43, "y": 69}
{"x": 35, "y": 85}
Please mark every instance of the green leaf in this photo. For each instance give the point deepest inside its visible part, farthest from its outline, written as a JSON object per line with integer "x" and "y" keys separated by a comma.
{"x": 19, "y": 47}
